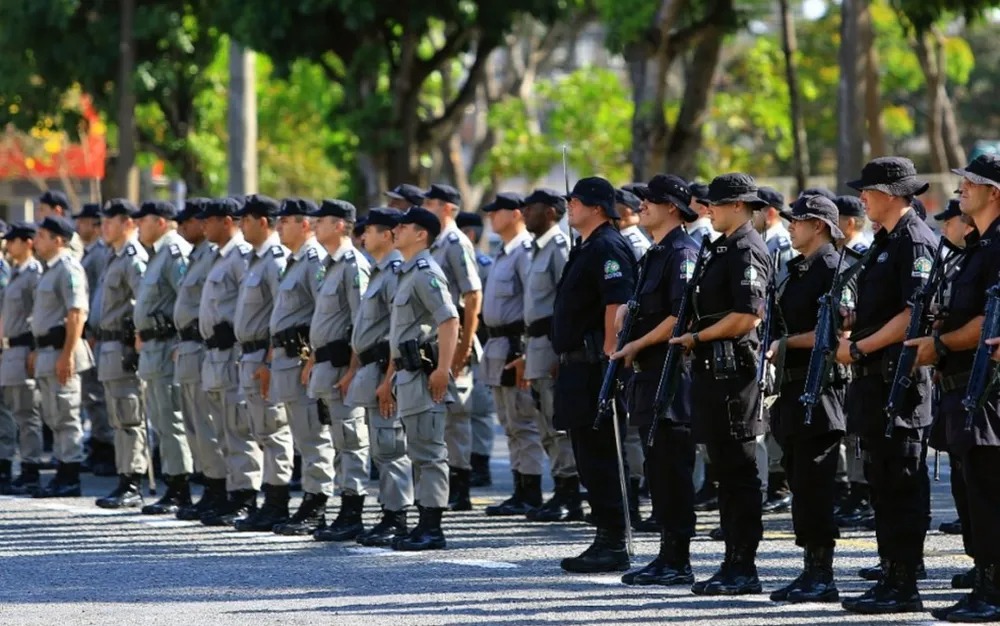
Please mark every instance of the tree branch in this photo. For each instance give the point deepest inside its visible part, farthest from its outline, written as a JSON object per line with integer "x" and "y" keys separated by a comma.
{"x": 435, "y": 130}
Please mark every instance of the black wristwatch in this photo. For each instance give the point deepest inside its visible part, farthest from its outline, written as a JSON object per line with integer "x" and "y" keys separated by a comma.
{"x": 696, "y": 338}
{"x": 856, "y": 352}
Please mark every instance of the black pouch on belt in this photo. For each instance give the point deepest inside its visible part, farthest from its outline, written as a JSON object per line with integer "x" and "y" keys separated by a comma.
{"x": 324, "y": 413}
{"x": 724, "y": 364}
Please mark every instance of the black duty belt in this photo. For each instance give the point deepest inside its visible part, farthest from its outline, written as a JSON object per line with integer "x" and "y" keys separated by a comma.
{"x": 947, "y": 384}
{"x": 794, "y": 375}
{"x": 26, "y": 340}
{"x": 336, "y": 353}
{"x": 114, "y": 335}
{"x": 576, "y": 356}
{"x": 379, "y": 353}
{"x": 863, "y": 371}
{"x": 157, "y": 334}
{"x": 540, "y": 328}
{"x": 514, "y": 329}
{"x": 249, "y": 347}
{"x": 191, "y": 332}
{"x": 55, "y": 338}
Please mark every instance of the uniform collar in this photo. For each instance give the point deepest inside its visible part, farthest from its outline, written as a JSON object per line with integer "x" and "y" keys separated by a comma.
{"x": 56, "y": 261}
{"x": 803, "y": 263}
{"x": 775, "y": 231}
{"x": 976, "y": 238}
{"x": 516, "y": 241}
{"x": 202, "y": 248}
{"x": 96, "y": 243}
{"x": 701, "y": 222}
{"x": 346, "y": 245}
{"x": 162, "y": 241}
{"x": 855, "y": 240}
{"x": 20, "y": 266}
{"x": 904, "y": 222}
{"x": 389, "y": 259}
{"x": 598, "y": 232}
{"x": 445, "y": 230}
{"x": 307, "y": 245}
{"x": 424, "y": 254}
{"x": 271, "y": 241}
{"x": 131, "y": 240}
{"x": 549, "y": 235}
{"x": 745, "y": 229}
{"x": 234, "y": 241}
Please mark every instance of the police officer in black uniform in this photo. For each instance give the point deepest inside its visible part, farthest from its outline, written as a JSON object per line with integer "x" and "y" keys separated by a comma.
{"x": 599, "y": 276}
{"x": 896, "y": 465}
{"x": 728, "y": 304}
{"x": 952, "y": 349}
{"x": 665, "y": 270}
{"x": 810, "y": 452}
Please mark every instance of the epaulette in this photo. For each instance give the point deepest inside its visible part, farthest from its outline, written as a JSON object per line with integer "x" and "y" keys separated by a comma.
{"x": 560, "y": 239}
{"x": 453, "y": 237}
{"x": 680, "y": 244}
{"x": 130, "y": 249}
{"x": 349, "y": 255}
{"x": 394, "y": 265}
{"x": 244, "y": 248}
{"x": 485, "y": 260}
{"x": 423, "y": 264}
{"x": 860, "y": 248}
{"x": 175, "y": 251}
{"x": 526, "y": 244}
{"x": 853, "y": 254}
{"x": 635, "y": 238}
{"x": 312, "y": 254}
{"x": 277, "y": 252}
{"x": 784, "y": 243}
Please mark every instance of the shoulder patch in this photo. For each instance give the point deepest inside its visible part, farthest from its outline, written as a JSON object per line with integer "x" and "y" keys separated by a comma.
{"x": 130, "y": 249}
{"x": 612, "y": 269}
{"x": 175, "y": 250}
{"x": 422, "y": 264}
{"x": 784, "y": 243}
{"x": 453, "y": 237}
{"x": 244, "y": 248}
{"x": 687, "y": 270}
{"x": 636, "y": 239}
{"x": 560, "y": 239}
{"x": 435, "y": 283}
{"x": 277, "y": 252}
{"x": 312, "y": 254}
{"x": 922, "y": 267}
{"x": 394, "y": 265}
{"x": 750, "y": 276}
{"x": 349, "y": 255}
{"x": 860, "y": 248}
{"x": 486, "y": 261}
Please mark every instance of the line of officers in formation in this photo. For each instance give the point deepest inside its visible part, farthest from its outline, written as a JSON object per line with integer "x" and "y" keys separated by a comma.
{"x": 249, "y": 329}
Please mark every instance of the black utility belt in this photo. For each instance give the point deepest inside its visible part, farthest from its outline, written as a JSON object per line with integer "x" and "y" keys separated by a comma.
{"x": 540, "y": 328}
{"x": 191, "y": 332}
{"x": 158, "y": 334}
{"x": 954, "y": 382}
{"x": 116, "y": 335}
{"x": 249, "y": 347}
{"x": 514, "y": 330}
{"x": 882, "y": 366}
{"x": 379, "y": 353}
{"x": 578, "y": 356}
{"x": 294, "y": 340}
{"x": 55, "y": 338}
{"x": 27, "y": 340}
{"x": 336, "y": 353}
{"x": 223, "y": 337}
{"x": 725, "y": 359}
{"x": 650, "y": 360}
{"x": 416, "y": 357}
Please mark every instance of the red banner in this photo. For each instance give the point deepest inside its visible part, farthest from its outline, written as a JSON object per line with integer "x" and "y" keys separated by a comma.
{"x": 44, "y": 153}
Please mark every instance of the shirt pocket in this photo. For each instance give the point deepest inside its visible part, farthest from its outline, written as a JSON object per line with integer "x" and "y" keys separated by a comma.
{"x": 402, "y": 309}
{"x": 290, "y": 297}
{"x": 329, "y": 298}
{"x": 540, "y": 281}
{"x": 505, "y": 286}
{"x": 252, "y": 287}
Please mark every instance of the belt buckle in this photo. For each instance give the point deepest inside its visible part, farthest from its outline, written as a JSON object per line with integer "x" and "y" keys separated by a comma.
{"x": 5, "y": 343}
{"x": 636, "y": 367}
{"x": 304, "y": 352}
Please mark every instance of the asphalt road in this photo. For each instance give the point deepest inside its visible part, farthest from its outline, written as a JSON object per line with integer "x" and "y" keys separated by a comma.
{"x": 66, "y": 562}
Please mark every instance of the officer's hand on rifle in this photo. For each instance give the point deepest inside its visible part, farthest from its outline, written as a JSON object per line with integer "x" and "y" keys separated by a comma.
{"x": 996, "y": 343}
{"x": 848, "y": 318}
{"x": 686, "y": 340}
{"x": 926, "y": 354}
{"x": 844, "y": 352}
{"x": 772, "y": 351}
{"x": 627, "y": 353}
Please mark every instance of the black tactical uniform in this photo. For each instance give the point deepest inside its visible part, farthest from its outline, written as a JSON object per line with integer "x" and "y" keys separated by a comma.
{"x": 600, "y": 272}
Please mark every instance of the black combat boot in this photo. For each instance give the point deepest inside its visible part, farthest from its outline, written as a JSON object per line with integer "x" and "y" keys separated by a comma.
{"x": 66, "y": 483}
{"x": 240, "y": 505}
{"x": 212, "y": 498}
{"x": 426, "y": 535}
{"x": 178, "y": 496}
{"x": 738, "y": 575}
{"x": 878, "y": 571}
{"x": 563, "y": 506}
{"x": 857, "y": 509}
{"x": 965, "y": 580}
{"x": 391, "y": 527}
{"x": 6, "y": 477}
{"x": 700, "y": 588}
{"x": 895, "y": 592}
{"x": 606, "y": 554}
{"x": 458, "y": 490}
{"x": 295, "y": 484}
{"x": 672, "y": 566}
{"x": 480, "y": 476}
{"x": 779, "y": 496}
{"x": 526, "y": 498}
{"x": 28, "y": 482}
{"x": 816, "y": 583}
{"x": 348, "y": 525}
{"x": 273, "y": 512}
{"x": 310, "y": 517}
{"x": 982, "y": 605}
{"x": 707, "y": 498}
{"x": 102, "y": 459}
{"x": 125, "y": 496}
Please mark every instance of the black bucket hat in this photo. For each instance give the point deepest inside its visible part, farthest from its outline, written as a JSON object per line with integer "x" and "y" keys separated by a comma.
{"x": 670, "y": 189}
{"x": 896, "y": 176}
{"x": 983, "y": 170}
{"x": 735, "y": 187}
{"x": 815, "y": 208}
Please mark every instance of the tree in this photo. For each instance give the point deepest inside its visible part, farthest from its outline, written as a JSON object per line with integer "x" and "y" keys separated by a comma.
{"x": 790, "y": 47}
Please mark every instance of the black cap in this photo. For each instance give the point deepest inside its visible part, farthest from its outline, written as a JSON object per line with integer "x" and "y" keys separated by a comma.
{"x": 159, "y": 208}
{"x": 699, "y": 191}
{"x": 59, "y": 226}
{"x": 411, "y": 193}
{"x": 359, "y": 226}
{"x": 383, "y": 216}
{"x": 919, "y": 208}
{"x": 772, "y": 197}
{"x": 55, "y": 199}
{"x": 259, "y": 205}
{"x": 336, "y": 208}
{"x": 192, "y": 208}
{"x": 982, "y": 170}
{"x": 218, "y": 207}
{"x": 596, "y": 191}
{"x": 548, "y": 197}
{"x": 896, "y": 176}
{"x": 627, "y": 198}
{"x": 90, "y": 210}
{"x": 815, "y": 208}
{"x": 953, "y": 209}
{"x": 505, "y": 200}
{"x": 639, "y": 189}
{"x": 21, "y": 230}
{"x": 850, "y": 206}
{"x": 734, "y": 187}
{"x": 423, "y": 218}
{"x": 818, "y": 191}
{"x": 445, "y": 193}
{"x": 465, "y": 219}
{"x": 297, "y": 206}
{"x": 118, "y": 206}
{"x": 670, "y": 189}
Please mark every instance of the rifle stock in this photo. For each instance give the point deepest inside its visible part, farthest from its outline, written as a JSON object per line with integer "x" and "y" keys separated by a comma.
{"x": 984, "y": 369}
{"x": 824, "y": 346}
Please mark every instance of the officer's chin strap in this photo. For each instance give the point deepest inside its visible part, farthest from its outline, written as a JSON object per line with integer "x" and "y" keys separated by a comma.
{"x": 623, "y": 483}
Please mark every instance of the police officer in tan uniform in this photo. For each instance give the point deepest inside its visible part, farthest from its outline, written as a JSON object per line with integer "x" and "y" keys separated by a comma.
{"x": 423, "y": 334}
{"x": 57, "y": 319}
{"x": 20, "y": 393}
{"x": 372, "y": 385}
{"x": 56, "y": 204}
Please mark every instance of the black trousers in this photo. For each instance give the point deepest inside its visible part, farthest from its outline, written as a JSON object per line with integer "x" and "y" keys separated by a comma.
{"x": 735, "y": 464}
{"x": 981, "y": 470}
{"x": 597, "y": 465}
{"x": 669, "y": 470}
{"x": 810, "y": 464}
{"x": 959, "y": 492}
{"x": 896, "y": 469}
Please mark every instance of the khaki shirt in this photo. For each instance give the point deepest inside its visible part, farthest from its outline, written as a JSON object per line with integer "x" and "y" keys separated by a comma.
{"x": 296, "y": 298}
{"x": 118, "y": 289}
{"x": 95, "y": 262}
{"x": 258, "y": 290}
{"x": 18, "y": 302}
{"x": 503, "y": 303}
{"x": 371, "y": 326}
{"x": 61, "y": 288}
{"x": 548, "y": 258}
{"x": 188, "y": 303}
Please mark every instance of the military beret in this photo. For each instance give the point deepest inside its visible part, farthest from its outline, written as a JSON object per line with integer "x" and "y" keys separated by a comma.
{"x": 118, "y": 206}
{"x": 159, "y": 208}
{"x": 548, "y": 197}
{"x": 297, "y": 206}
{"x": 259, "y": 205}
{"x": 54, "y": 199}
{"x": 21, "y": 230}
{"x": 58, "y": 226}
{"x": 336, "y": 208}
{"x": 445, "y": 193}
{"x": 90, "y": 210}
{"x": 411, "y": 193}
{"x": 383, "y": 216}
{"x": 424, "y": 219}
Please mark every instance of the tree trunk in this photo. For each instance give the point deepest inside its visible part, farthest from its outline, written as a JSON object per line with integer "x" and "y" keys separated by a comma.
{"x": 932, "y": 69}
{"x": 791, "y": 76}
{"x": 851, "y": 130}
{"x": 873, "y": 89}
{"x": 242, "y": 121}
{"x": 686, "y": 138}
{"x": 950, "y": 135}
{"x": 126, "y": 175}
